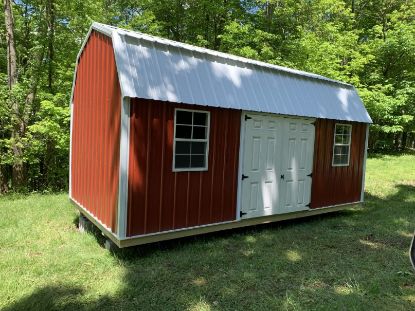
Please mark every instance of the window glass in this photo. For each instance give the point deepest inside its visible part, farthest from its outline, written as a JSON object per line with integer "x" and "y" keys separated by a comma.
{"x": 200, "y": 118}
{"x": 191, "y": 140}
{"x": 184, "y": 117}
{"x": 341, "y": 146}
{"x": 183, "y": 131}
{"x": 199, "y": 132}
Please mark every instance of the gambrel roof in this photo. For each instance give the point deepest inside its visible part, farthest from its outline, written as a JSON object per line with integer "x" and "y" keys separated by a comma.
{"x": 160, "y": 69}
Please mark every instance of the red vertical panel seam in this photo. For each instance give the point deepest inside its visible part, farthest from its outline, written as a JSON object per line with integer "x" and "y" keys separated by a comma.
{"x": 81, "y": 132}
{"x": 131, "y": 168}
{"x": 223, "y": 193}
{"x": 105, "y": 149}
{"x": 93, "y": 182}
{"x": 163, "y": 137}
{"x": 174, "y": 200}
{"x": 96, "y": 130}
{"x": 87, "y": 129}
{"x": 212, "y": 182}
{"x": 200, "y": 198}
{"x": 187, "y": 198}
{"x": 149, "y": 116}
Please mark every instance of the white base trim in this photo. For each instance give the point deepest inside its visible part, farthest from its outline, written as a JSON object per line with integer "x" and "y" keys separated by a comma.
{"x": 178, "y": 230}
{"x": 208, "y": 228}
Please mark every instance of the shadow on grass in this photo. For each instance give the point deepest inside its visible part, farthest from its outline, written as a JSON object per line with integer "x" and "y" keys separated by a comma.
{"x": 352, "y": 259}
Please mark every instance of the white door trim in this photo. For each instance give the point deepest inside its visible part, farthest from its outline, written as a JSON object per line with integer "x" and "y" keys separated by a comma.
{"x": 240, "y": 165}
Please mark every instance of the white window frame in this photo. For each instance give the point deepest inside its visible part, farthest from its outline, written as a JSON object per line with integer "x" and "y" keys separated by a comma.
{"x": 337, "y": 144}
{"x": 191, "y": 169}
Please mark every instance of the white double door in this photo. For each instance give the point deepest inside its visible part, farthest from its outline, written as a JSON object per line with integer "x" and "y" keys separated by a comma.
{"x": 277, "y": 160}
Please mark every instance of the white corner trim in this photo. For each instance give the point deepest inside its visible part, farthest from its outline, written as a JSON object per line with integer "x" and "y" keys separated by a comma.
{"x": 240, "y": 164}
{"x": 70, "y": 149}
{"x": 362, "y": 194}
{"x": 123, "y": 168}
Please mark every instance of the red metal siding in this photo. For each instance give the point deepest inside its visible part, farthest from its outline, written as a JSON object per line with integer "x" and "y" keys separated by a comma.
{"x": 341, "y": 184}
{"x": 96, "y": 131}
{"x": 160, "y": 199}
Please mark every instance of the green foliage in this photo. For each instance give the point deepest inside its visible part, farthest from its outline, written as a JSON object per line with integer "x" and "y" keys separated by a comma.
{"x": 48, "y": 143}
{"x": 370, "y": 44}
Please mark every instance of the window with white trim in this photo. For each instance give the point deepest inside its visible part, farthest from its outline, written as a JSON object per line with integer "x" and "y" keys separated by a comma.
{"x": 341, "y": 146}
{"x": 191, "y": 140}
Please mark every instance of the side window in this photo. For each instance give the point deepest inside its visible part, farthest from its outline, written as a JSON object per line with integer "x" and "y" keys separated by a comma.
{"x": 341, "y": 146}
{"x": 191, "y": 140}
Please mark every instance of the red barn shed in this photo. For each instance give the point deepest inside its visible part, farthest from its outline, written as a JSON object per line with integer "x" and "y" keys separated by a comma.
{"x": 170, "y": 140}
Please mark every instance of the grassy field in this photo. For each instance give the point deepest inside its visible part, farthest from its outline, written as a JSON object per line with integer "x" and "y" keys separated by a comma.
{"x": 351, "y": 260}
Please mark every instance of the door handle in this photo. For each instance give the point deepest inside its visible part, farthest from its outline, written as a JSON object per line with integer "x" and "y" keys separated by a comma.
{"x": 282, "y": 176}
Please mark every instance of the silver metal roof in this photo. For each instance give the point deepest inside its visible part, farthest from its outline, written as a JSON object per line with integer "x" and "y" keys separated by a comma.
{"x": 160, "y": 69}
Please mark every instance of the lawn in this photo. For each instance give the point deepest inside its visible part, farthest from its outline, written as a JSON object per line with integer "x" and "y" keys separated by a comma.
{"x": 351, "y": 260}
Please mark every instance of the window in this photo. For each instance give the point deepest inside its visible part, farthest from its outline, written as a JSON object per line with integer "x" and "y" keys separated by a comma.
{"x": 191, "y": 140}
{"x": 341, "y": 147}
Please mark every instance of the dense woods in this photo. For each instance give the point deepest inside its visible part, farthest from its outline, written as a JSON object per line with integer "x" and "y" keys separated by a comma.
{"x": 369, "y": 43}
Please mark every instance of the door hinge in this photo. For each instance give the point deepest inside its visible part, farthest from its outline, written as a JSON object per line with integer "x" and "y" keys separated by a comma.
{"x": 308, "y": 205}
{"x": 247, "y": 117}
{"x": 282, "y": 176}
{"x": 310, "y": 175}
{"x": 244, "y": 177}
{"x": 241, "y": 214}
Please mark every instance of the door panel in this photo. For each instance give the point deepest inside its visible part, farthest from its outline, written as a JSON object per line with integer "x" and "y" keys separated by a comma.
{"x": 297, "y": 164}
{"x": 259, "y": 197}
{"x": 276, "y": 159}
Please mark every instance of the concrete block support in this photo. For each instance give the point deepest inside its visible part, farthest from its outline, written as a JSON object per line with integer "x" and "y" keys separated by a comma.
{"x": 84, "y": 225}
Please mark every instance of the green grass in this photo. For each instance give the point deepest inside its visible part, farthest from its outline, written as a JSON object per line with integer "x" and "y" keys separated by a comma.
{"x": 351, "y": 260}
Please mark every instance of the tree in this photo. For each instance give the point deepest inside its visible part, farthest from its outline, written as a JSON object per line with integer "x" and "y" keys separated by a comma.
{"x": 18, "y": 124}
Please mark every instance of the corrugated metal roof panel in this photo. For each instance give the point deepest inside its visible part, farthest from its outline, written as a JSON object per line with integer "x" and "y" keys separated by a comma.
{"x": 160, "y": 69}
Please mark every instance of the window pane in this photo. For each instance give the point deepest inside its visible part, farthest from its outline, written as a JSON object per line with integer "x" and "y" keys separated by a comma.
{"x": 346, "y": 139}
{"x": 198, "y": 148}
{"x": 347, "y": 130}
{"x": 182, "y": 161}
{"x": 198, "y": 161}
{"x": 183, "y": 131}
{"x": 343, "y": 129}
{"x": 344, "y": 158}
{"x": 183, "y": 117}
{"x": 182, "y": 147}
{"x": 200, "y": 118}
{"x": 338, "y": 139}
{"x": 199, "y": 132}
{"x": 341, "y": 150}
{"x": 336, "y": 159}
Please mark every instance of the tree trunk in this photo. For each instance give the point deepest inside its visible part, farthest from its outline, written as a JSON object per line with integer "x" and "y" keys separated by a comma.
{"x": 50, "y": 18}
{"x": 11, "y": 50}
{"x": 3, "y": 180}
{"x": 18, "y": 125}
{"x": 404, "y": 140}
